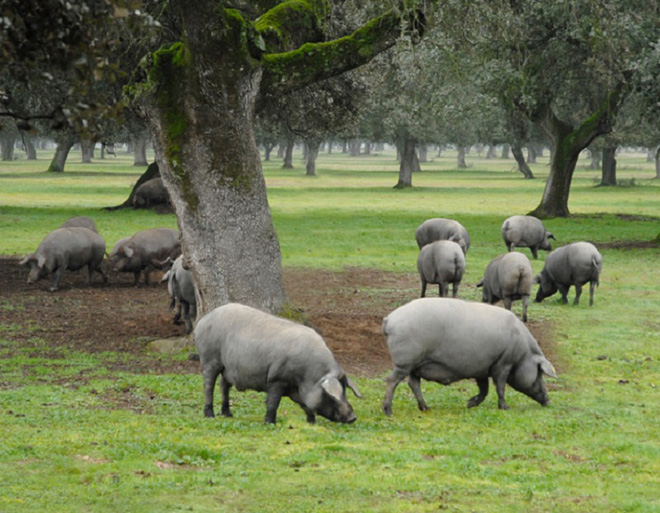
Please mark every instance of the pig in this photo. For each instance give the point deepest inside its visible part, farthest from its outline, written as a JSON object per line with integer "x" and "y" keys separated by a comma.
{"x": 151, "y": 193}
{"x": 80, "y": 222}
{"x": 442, "y": 229}
{"x": 115, "y": 248}
{"x": 67, "y": 249}
{"x": 441, "y": 262}
{"x": 181, "y": 288}
{"x": 139, "y": 252}
{"x": 508, "y": 277}
{"x": 250, "y": 349}
{"x": 526, "y": 232}
{"x": 575, "y": 264}
{"x": 446, "y": 340}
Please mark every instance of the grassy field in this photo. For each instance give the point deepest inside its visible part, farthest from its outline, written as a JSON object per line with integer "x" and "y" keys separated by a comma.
{"x": 596, "y": 448}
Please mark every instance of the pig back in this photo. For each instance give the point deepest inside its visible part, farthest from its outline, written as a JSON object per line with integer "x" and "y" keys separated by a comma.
{"x": 71, "y": 248}
{"x": 464, "y": 337}
{"x": 156, "y": 243}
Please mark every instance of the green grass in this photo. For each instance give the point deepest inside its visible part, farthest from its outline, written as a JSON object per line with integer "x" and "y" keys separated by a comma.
{"x": 120, "y": 441}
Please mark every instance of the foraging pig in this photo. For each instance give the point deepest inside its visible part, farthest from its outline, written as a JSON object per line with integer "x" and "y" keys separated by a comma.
{"x": 250, "y": 349}
{"x": 441, "y": 262}
{"x": 527, "y": 232}
{"x": 67, "y": 249}
{"x": 508, "y": 277}
{"x": 181, "y": 288}
{"x": 140, "y": 251}
{"x": 446, "y": 340}
{"x": 150, "y": 193}
{"x": 80, "y": 222}
{"x": 442, "y": 229}
{"x": 575, "y": 264}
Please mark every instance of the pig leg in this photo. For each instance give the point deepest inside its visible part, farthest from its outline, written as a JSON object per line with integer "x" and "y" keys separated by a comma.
{"x": 90, "y": 270}
{"x": 393, "y": 380}
{"x": 592, "y": 287}
{"x": 295, "y": 397}
{"x": 274, "y": 391}
{"x": 563, "y": 290}
{"x": 55, "y": 284}
{"x": 500, "y": 375}
{"x": 136, "y": 278}
{"x": 534, "y": 252}
{"x": 225, "y": 386}
{"x": 578, "y": 293}
{"x": 210, "y": 373}
{"x": 423, "y": 288}
{"x": 455, "y": 289}
{"x": 507, "y": 302}
{"x": 414, "y": 382}
{"x": 444, "y": 289}
{"x": 482, "y": 383}
{"x": 525, "y": 300}
{"x": 104, "y": 274}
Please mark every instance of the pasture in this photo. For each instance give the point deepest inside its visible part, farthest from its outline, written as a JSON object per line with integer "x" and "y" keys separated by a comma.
{"x": 99, "y": 426}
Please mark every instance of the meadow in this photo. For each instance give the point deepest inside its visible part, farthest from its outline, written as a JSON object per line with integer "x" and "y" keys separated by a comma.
{"x": 66, "y": 447}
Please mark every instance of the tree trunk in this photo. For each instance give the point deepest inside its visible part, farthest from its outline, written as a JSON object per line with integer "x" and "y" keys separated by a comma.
{"x": 407, "y": 165}
{"x": 87, "y": 150}
{"x": 609, "y": 166}
{"x": 523, "y": 167}
{"x": 531, "y": 154}
{"x": 281, "y": 148}
{"x": 140, "y": 151}
{"x": 152, "y": 171}
{"x": 595, "y": 159}
{"x": 506, "y": 149}
{"x": 492, "y": 152}
{"x": 568, "y": 142}
{"x": 268, "y": 148}
{"x": 288, "y": 153}
{"x": 7, "y": 140}
{"x": 211, "y": 167}
{"x": 650, "y": 154}
{"x": 367, "y": 148}
{"x": 354, "y": 148}
{"x": 312, "y": 154}
{"x": 657, "y": 163}
{"x": 422, "y": 151}
{"x": 461, "y": 157}
{"x": 28, "y": 145}
{"x": 64, "y": 144}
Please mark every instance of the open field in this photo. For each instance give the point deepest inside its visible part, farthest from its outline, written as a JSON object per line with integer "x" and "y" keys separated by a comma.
{"x": 93, "y": 420}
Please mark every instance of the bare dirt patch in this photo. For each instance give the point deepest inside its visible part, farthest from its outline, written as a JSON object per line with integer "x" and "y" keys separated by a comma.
{"x": 347, "y": 307}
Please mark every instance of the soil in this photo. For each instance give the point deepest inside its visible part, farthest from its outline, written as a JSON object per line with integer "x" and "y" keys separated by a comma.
{"x": 346, "y": 307}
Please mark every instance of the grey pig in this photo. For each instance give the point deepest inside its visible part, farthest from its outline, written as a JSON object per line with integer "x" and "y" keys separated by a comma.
{"x": 446, "y": 340}
{"x": 442, "y": 229}
{"x": 80, "y": 222}
{"x": 181, "y": 288}
{"x": 526, "y": 232}
{"x": 575, "y": 264}
{"x": 66, "y": 249}
{"x": 140, "y": 252}
{"x": 250, "y": 349}
{"x": 508, "y": 277}
{"x": 150, "y": 193}
{"x": 441, "y": 262}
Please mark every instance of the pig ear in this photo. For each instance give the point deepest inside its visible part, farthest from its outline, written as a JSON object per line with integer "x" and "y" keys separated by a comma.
{"x": 41, "y": 260}
{"x": 551, "y": 236}
{"x": 480, "y": 284}
{"x": 333, "y": 387}
{"x": 537, "y": 278}
{"x": 352, "y": 386}
{"x": 26, "y": 259}
{"x": 128, "y": 251}
{"x": 547, "y": 368}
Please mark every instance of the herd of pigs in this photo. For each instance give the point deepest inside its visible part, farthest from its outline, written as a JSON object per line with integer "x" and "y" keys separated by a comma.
{"x": 438, "y": 339}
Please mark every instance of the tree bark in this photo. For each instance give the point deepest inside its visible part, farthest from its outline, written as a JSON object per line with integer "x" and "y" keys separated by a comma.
{"x": 523, "y": 167}
{"x": 492, "y": 152}
{"x": 506, "y": 149}
{"x": 64, "y": 144}
{"x": 288, "y": 154}
{"x": 86, "y": 150}
{"x": 354, "y": 148}
{"x": 422, "y": 151}
{"x": 312, "y": 154}
{"x": 568, "y": 142}
{"x": 7, "y": 140}
{"x": 609, "y": 166}
{"x": 657, "y": 163}
{"x": 460, "y": 159}
{"x": 595, "y": 159}
{"x": 407, "y": 164}
{"x": 140, "y": 151}
{"x": 531, "y": 154}
{"x": 28, "y": 145}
